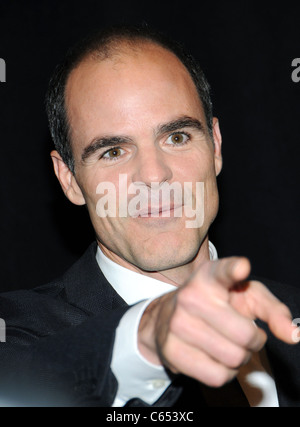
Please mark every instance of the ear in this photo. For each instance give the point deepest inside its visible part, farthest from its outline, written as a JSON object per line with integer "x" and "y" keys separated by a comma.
{"x": 218, "y": 146}
{"x": 67, "y": 180}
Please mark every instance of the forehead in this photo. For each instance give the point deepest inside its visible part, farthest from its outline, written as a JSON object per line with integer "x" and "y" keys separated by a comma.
{"x": 137, "y": 85}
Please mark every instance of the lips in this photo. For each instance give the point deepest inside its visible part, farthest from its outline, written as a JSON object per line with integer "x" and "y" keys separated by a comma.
{"x": 157, "y": 211}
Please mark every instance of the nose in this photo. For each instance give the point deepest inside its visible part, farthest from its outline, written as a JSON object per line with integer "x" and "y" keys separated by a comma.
{"x": 151, "y": 165}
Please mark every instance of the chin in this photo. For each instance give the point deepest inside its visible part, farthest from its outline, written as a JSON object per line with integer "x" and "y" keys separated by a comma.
{"x": 167, "y": 257}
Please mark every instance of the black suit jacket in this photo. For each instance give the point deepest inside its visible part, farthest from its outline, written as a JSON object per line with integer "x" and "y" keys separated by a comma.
{"x": 60, "y": 338}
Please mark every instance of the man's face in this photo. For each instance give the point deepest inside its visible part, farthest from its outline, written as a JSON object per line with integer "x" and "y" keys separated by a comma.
{"x": 138, "y": 114}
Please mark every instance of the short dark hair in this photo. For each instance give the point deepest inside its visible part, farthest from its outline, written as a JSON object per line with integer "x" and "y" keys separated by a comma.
{"x": 100, "y": 44}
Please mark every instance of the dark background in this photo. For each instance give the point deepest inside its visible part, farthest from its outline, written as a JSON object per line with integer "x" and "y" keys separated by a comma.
{"x": 246, "y": 49}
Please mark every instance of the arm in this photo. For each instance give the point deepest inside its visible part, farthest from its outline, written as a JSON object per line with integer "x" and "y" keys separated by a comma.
{"x": 137, "y": 378}
{"x": 68, "y": 368}
{"x": 205, "y": 329}
{"x": 195, "y": 330}
{"x": 93, "y": 363}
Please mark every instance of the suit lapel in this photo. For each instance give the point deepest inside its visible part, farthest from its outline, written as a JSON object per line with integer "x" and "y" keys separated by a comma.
{"x": 87, "y": 288}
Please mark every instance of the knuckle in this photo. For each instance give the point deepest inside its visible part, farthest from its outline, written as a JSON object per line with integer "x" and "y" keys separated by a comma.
{"x": 196, "y": 295}
{"x": 220, "y": 377}
{"x": 247, "y": 335}
{"x": 176, "y": 324}
{"x": 238, "y": 358}
{"x": 188, "y": 296}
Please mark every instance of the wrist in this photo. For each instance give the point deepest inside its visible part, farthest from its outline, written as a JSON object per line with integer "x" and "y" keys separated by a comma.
{"x": 146, "y": 334}
{"x": 153, "y": 328}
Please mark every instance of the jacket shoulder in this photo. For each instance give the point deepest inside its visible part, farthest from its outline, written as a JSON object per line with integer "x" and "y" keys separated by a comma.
{"x": 44, "y": 309}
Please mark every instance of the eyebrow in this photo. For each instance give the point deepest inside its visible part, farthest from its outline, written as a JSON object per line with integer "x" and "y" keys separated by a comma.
{"x": 113, "y": 141}
{"x": 103, "y": 142}
{"x": 180, "y": 123}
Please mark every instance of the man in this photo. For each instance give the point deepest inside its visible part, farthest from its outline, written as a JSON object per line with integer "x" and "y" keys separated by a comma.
{"x": 149, "y": 313}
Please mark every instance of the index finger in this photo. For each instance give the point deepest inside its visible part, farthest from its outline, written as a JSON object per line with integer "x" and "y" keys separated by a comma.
{"x": 230, "y": 271}
{"x": 265, "y": 306}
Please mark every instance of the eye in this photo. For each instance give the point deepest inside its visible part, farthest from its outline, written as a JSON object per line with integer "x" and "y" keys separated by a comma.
{"x": 178, "y": 138}
{"x": 113, "y": 153}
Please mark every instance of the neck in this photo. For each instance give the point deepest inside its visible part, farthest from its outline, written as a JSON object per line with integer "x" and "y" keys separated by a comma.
{"x": 176, "y": 276}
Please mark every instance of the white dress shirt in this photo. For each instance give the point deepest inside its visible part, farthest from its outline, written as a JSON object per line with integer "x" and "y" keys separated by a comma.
{"x": 139, "y": 378}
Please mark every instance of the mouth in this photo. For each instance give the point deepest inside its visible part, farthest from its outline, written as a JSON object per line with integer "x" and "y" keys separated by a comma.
{"x": 167, "y": 211}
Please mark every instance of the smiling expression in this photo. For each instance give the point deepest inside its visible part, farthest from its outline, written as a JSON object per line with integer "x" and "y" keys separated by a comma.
{"x": 138, "y": 113}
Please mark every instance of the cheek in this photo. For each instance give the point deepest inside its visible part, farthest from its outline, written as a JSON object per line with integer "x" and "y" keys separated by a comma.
{"x": 202, "y": 170}
{"x": 211, "y": 199}
{"x": 95, "y": 184}
{"x": 199, "y": 168}
{"x": 102, "y": 195}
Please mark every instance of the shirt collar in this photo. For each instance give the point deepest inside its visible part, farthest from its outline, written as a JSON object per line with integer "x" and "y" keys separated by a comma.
{"x": 132, "y": 286}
